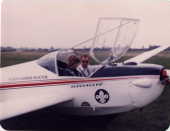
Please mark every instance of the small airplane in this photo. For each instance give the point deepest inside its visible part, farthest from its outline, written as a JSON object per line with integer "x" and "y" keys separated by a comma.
{"x": 111, "y": 88}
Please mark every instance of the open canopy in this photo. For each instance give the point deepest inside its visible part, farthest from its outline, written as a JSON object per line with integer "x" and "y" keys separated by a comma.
{"x": 112, "y": 39}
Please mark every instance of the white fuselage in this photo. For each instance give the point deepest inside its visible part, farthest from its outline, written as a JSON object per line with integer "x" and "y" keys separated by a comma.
{"x": 90, "y": 96}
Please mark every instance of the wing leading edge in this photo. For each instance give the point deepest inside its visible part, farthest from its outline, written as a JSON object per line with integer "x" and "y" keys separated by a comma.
{"x": 14, "y": 103}
{"x": 146, "y": 55}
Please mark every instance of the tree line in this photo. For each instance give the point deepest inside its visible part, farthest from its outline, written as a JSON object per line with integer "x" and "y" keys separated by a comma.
{"x": 9, "y": 49}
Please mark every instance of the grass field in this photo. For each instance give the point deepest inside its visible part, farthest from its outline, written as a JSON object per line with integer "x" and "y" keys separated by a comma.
{"x": 154, "y": 117}
{"x": 11, "y": 58}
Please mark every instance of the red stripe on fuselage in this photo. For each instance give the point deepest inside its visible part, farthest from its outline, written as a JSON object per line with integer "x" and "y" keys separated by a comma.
{"x": 58, "y": 82}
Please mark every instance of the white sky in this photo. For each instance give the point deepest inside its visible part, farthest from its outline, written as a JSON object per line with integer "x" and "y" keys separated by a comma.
{"x": 63, "y": 23}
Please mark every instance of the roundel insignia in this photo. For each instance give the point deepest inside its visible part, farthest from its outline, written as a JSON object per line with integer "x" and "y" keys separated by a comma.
{"x": 102, "y": 96}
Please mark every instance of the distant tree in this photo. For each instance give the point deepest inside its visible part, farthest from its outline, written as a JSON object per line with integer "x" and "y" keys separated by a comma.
{"x": 7, "y": 49}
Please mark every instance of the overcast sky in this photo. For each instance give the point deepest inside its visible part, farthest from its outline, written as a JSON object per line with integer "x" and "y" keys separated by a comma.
{"x": 63, "y": 23}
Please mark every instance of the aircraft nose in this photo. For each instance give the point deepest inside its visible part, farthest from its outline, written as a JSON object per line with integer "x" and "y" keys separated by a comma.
{"x": 145, "y": 91}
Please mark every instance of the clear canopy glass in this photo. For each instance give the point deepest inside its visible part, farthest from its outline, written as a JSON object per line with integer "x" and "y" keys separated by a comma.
{"x": 112, "y": 39}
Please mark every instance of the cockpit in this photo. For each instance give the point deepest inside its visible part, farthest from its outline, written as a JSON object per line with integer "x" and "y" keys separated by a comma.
{"x": 62, "y": 63}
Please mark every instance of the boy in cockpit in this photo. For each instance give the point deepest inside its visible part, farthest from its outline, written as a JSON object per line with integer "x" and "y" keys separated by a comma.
{"x": 84, "y": 68}
{"x": 73, "y": 63}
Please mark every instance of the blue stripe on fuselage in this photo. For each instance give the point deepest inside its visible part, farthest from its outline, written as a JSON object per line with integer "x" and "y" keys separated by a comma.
{"x": 115, "y": 71}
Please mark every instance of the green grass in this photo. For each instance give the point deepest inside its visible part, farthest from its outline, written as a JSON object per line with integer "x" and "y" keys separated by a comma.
{"x": 160, "y": 60}
{"x": 12, "y": 58}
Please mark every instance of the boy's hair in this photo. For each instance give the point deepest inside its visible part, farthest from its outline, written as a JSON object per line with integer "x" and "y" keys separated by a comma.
{"x": 73, "y": 60}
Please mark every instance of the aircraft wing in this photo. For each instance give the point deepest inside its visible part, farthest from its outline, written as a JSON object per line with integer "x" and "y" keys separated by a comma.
{"x": 146, "y": 55}
{"x": 14, "y": 102}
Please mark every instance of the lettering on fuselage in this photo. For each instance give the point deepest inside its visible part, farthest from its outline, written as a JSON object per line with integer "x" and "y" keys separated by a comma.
{"x": 87, "y": 85}
{"x": 40, "y": 77}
